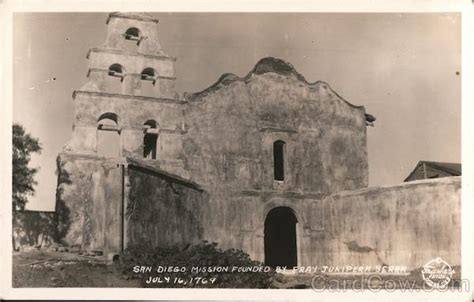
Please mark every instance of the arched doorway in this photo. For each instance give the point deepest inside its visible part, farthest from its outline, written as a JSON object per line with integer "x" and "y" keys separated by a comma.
{"x": 280, "y": 238}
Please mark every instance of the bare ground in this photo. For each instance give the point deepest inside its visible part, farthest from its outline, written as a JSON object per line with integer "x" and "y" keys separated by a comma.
{"x": 40, "y": 268}
{"x": 54, "y": 269}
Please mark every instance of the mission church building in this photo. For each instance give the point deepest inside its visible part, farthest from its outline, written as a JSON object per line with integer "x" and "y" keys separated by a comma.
{"x": 268, "y": 163}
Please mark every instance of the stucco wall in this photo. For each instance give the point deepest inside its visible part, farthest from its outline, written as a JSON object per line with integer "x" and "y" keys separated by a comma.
{"x": 132, "y": 113}
{"x": 134, "y": 56}
{"x": 228, "y": 149}
{"x": 89, "y": 200}
{"x": 109, "y": 204}
{"x": 117, "y": 25}
{"x": 222, "y": 139}
{"x": 232, "y": 125}
{"x": 162, "y": 211}
{"x": 407, "y": 224}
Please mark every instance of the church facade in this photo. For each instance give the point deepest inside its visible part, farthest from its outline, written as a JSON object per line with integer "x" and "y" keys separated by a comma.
{"x": 268, "y": 163}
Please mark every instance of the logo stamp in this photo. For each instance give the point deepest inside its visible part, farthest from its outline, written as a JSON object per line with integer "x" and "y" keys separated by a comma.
{"x": 437, "y": 273}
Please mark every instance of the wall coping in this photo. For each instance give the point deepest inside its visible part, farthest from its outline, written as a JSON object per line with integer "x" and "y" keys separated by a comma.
{"x": 166, "y": 175}
{"x": 128, "y": 96}
{"x": 131, "y": 161}
{"x": 453, "y": 180}
{"x": 127, "y": 53}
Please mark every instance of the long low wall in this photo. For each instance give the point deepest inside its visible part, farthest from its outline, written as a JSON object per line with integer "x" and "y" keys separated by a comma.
{"x": 407, "y": 224}
{"x": 128, "y": 203}
{"x": 402, "y": 225}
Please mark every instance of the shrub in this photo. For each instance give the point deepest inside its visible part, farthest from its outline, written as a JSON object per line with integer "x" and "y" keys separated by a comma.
{"x": 204, "y": 255}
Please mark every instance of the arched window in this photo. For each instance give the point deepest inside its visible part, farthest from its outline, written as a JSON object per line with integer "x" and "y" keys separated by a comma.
{"x": 116, "y": 70}
{"x": 150, "y": 138}
{"x": 148, "y": 74}
{"x": 279, "y": 160}
{"x": 148, "y": 77}
{"x": 113, "y": 83}
{"x": 133, "y": 37}
{"x": 108, "y": 136}
{"x": 133, "y": 34}
{"x": 108, "y": 116}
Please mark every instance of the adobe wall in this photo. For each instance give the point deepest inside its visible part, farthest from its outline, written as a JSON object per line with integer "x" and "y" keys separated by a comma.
{"x": 89, "y": 201}
{"x": 222, "y": 139}
{"x": 161, "y": 209}
{"x": 107, "y": 205}
{"x": 228, "y": 148}
{"x": 232, "y": 125}
{"x": 118, "y": 23}
{"x": 132, "y": 113}
{"x": 133, "y": 64}
{"x": 406, "y": 225}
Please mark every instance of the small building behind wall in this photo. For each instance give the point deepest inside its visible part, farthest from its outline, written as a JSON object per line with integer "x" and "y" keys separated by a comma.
{"x": 430, "y": 170}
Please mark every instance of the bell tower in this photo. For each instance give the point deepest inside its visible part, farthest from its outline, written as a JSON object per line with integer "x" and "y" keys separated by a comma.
{"x": 127, "y": 112}
{"x": 129, "y": 106}
{"x": 131, "y": 61}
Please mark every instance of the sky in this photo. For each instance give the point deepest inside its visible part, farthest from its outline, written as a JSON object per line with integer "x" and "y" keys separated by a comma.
{"x": 404, "y": 68}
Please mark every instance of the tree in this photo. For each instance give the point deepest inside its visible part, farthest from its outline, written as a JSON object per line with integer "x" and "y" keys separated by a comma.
{"x": 23, "y": 176}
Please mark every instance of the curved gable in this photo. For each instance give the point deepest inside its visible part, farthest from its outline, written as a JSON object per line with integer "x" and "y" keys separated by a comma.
{"x": 270, "y": 65}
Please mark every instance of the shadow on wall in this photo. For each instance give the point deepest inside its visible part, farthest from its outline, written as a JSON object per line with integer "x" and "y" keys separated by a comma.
{"x": 62, "y": 213}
